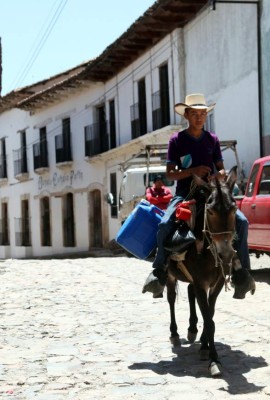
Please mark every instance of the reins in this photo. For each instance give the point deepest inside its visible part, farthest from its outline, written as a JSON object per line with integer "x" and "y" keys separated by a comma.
{"x": 208, "y": 234}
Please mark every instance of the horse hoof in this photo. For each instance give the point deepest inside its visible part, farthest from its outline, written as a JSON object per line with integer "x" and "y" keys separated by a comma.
{"x": 204, "y": 354}
{"x": 191, "y": 337}
{"x": 215, "y": 369}
{"x": 175, "y": 341}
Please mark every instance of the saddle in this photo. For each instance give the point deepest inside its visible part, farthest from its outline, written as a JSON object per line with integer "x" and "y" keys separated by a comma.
{"x": 182, "y": 236}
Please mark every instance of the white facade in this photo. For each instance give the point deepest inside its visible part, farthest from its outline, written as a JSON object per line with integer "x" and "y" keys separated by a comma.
{"x": 215, "y": 54}
{"x": 222, "y": 63}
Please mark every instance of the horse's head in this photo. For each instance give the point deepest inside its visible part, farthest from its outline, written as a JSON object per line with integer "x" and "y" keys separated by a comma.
{"x": 219, "y": 214}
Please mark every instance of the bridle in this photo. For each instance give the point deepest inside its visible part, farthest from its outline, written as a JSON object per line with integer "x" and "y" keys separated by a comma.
{"x": 208, "y": 235}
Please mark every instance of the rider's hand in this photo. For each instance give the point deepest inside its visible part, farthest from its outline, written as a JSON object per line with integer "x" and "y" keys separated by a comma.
{"x": 220, "y": 175}
{"x": 201, "y": 171}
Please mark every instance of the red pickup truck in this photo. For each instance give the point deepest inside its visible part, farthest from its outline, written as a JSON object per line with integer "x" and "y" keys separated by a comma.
{"x": 255, "y": 204}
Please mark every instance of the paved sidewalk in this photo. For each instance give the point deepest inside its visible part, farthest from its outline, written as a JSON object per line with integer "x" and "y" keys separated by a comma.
{"x": 80, "y": 329}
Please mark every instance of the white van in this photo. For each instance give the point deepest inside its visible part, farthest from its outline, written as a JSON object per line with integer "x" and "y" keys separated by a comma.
{"x": 134, "y": 184}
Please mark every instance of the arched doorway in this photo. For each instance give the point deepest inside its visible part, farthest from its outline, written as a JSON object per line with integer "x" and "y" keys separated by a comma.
{"x": 95, "y": 219}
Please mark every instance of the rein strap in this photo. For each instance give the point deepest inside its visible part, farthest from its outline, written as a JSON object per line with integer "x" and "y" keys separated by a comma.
{"x": 213, "y": 249}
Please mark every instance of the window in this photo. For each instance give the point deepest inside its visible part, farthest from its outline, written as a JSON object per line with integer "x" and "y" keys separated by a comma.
{"x": 135, "y": 120}
{"x": 161, "y": 100}
{"x": 96, "y": 135}
{"x": 102, "y": 128}
{"x": 252, "y": 181}
{"x": 164, "y": 95}
{"x": 40, "y": 150}
{"x": 3, "y": 159}
{"x": 112, "y": 124}
{"x": 142, "y": 106}
{"x": 43, "y": 146}
{"x": 138, "y": 112}
{"x": 24, "y": 152}
{"x": 264, "y": 187}
{"x": 63, "y": 143}
{"x": 20, "y": 157}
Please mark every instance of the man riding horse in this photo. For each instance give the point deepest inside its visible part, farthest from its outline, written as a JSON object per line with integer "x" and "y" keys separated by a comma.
{"x": 196, "y": 152}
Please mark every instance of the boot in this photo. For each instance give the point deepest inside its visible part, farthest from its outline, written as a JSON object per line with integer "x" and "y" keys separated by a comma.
{"x": 155, "y": 283}
{"x": 243, "y": 282}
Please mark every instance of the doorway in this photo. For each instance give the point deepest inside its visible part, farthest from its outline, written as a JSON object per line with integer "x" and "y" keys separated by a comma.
{"x": 95, "y": 219}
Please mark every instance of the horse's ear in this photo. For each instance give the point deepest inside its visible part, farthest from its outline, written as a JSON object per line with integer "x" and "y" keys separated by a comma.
{"x": 232, "y": 177}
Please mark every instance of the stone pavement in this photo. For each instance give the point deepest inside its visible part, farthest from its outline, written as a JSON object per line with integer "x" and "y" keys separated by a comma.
{"x": 81, "y": 329}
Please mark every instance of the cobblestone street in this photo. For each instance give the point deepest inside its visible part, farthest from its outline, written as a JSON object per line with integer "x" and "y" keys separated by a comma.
{"x": 81, "y": 329}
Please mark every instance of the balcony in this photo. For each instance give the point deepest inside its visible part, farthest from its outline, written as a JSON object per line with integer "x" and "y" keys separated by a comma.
{"x": 63, "y": 151}
{"x": 40, "y": 155}
{"x": 96, "y": 139}
{"x": 20, "y": 164}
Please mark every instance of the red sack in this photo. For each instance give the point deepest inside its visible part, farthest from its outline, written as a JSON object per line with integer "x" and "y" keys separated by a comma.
{"x": 183, "y": 211}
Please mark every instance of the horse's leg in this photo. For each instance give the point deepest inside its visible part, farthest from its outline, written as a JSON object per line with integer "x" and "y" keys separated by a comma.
{"x": 171, "y": 296}
{"x": 193, "y": 319}
{"x": 209, "y": 329}
{"x": 212, "y": 298}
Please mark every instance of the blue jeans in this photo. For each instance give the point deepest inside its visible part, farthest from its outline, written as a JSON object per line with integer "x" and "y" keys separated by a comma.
{"x": 241, "y": 243}
{"x": 167, "y": 226}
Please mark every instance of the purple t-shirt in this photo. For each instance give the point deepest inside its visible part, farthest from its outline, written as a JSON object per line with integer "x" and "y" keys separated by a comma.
{"x": 187, "y": 152}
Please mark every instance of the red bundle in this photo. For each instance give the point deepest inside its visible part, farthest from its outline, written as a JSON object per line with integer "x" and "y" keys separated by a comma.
{"x": 183, "y": 211}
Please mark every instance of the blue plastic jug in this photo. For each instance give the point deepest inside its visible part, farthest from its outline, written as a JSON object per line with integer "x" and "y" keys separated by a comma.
{"x": 138, "y": 233}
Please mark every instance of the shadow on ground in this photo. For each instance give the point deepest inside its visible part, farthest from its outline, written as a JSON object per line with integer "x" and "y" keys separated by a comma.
{"x": 261, "y": 275}
{"x": 235, "y": 364}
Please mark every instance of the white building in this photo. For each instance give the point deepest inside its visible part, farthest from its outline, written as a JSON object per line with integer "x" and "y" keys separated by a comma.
{"x": 62, "y": 140}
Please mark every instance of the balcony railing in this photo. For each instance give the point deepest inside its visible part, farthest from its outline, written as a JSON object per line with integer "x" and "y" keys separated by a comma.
{"x": 96, "y": 139}
{"x": 62, "y": 149}
{"x": 40, "y": 155}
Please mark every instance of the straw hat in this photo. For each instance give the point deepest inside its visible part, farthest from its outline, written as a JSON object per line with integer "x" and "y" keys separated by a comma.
{"x": 193, "y": 101}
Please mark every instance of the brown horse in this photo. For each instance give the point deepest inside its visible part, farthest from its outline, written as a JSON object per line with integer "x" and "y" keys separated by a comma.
{"x": 206, "y": 269}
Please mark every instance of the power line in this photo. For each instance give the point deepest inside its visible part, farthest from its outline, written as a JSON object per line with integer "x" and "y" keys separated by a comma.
{"x": 32, "y": 57}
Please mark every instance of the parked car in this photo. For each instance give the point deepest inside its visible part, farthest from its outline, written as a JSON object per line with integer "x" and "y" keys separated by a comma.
{"x": 255, "y": 204}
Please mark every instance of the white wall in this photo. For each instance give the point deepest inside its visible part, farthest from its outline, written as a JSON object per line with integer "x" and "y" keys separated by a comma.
{"x": 265, "y": 51}
{"x": 221, "y": 62}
